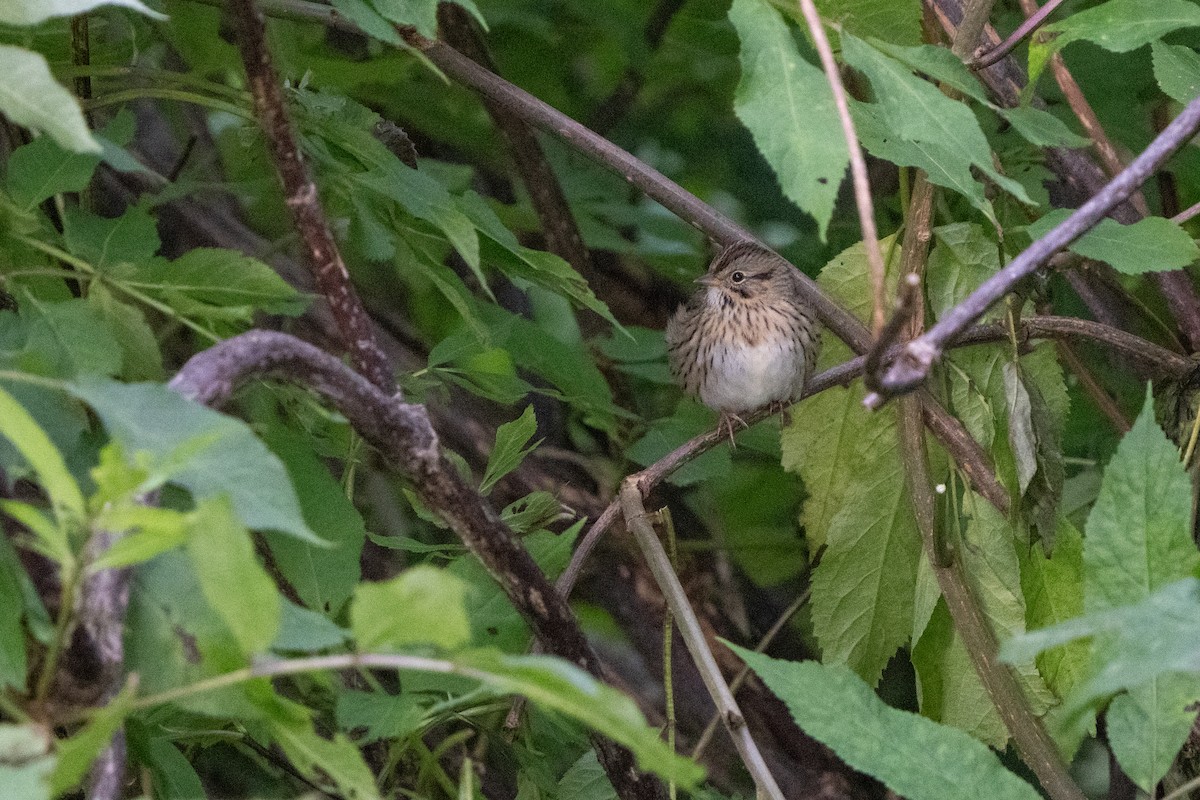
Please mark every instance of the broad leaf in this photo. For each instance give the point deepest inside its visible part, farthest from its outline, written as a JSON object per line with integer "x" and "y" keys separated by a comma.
{"x": 32, "y": 12}
{"x": 1177, "y": 70}
{"x": 787, "y": 105}
{"x": 1153, "y": 244}
{"x": 913, "y": 756}
{"x": 433, "y": 611}
{"x": 30, "y": 96}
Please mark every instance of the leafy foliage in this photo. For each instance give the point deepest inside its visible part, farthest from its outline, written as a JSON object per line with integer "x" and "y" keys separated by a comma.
{"x": 270, "y": 553}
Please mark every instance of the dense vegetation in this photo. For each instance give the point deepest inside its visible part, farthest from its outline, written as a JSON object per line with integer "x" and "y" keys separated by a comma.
{"x": 324, "y": 351}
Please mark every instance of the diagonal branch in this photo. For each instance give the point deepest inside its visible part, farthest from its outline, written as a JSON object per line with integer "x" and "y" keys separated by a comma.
{"x": 917, "y": 357}
{"x": 402, "y": 433}
{"x": 300, "y": 195}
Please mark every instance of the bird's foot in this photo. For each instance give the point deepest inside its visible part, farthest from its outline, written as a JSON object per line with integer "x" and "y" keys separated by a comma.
{"x": 726, "y": 424}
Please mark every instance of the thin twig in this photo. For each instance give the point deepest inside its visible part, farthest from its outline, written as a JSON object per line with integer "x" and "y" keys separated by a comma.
{"x": 1188, "y": 213}
{"x": 403, "y": 434}
{"x": 1036, "y": 747}
{"x": 744, "y": 671}
{"x": 300, "y": 195}
{"x": 858, "y": 165}
{"x": 693, "y": 636}
{"x": 916, "y": 358}
{"x": 994, "y": 54}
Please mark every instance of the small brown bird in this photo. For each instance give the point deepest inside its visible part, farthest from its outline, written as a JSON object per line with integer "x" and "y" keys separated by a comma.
{"x": 745, "y": 339}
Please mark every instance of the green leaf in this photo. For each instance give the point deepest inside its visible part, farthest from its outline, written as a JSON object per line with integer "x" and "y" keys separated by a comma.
{"x": 916, "y": 111}
{"x": 786, "y": 104}
{"x": 172, "y": 774}
{"x": 421, "y": 14}
{"x": 13, "y": 658}
{"x": 1152, "y": 244}
{"x": 43, "y": 168}
{"x": 913, "y": 756}
{"x": 105, "y": 242}
{"x": 1041, "y": 128}
{"x": 963, "y": 256}
{"x": 1021, "y": 436}
{"x": 75, "y": 755}
{"x": 210, "y": 281}
{"x": 1118, "y": 26}
{"x": 302, "y": 630}
{"x": 30, "y": 96}
{"x": 1177, "y": 70}
{"x": 32, "y": 12}
{"x": 234, "y": 583}
{"x": 383, "y": 716}
{"x": 433, "y": 611}
{"x": 509, "y": 450}
{"x": 325, "y": 576}
{"x": 152, "y": 418}
{"x": 560, "y": 686}
{"x": 1138, "y": 540}
{"x": 43, "y": 457}
{"x": 586, "y": 780}
{"x": 894, "y": 20}
{"x": 69, "y": 339}
{"x": 330, "y": 764}
{"x": 1053, "y": 590}
{"x": 141, "y": 358}
{"x": 364, "y": 16}
{"x": 25, "y": 762}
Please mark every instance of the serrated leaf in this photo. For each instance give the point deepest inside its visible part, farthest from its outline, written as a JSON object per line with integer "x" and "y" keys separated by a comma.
{"x": 913, "y": 756}
{"x": 963, "y": 256}
{"x": 896, "y": 21}
{"x": 434, "y": 611}
{"x": 787, "y": 105}
{"x": 1053, "y": 590}
{"x": 234, "y": 583}
{"x": 207, "y": 279}
{"x": 1138, "y": 540}
{"x": 1118, "y": 26}
{"x": 30, "y": 96}
{"x": 155, "y": 419}
{"x": 141, "y": 358}
{"x": 1177, "y": 70}
{"x": 510, "y": 448}
{"x": 69, "y": 339}
{"x": 917, "y": 112}
{"x": 44, "y": 168}
{"x": 130, "y": 238}
{"x": 1152, "y": 244}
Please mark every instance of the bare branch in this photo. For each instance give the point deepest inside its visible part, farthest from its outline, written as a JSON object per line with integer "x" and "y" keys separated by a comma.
{"x": 693, "y": 636}
{"x": 300, "y": 195}
{"x": 858, "y": 165}
{"x": 992, "y": 55}
{"x": 402, "y": 433}
{"x": 916, "y": 358}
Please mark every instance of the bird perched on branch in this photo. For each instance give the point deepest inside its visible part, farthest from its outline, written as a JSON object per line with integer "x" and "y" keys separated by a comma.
{"x": 745, "y": 339}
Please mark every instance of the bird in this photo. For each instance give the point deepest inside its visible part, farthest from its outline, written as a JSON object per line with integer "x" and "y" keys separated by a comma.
{"x": 745, "y": 339}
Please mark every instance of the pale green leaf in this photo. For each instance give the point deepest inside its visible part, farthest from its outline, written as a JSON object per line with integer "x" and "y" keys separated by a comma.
{"x": 1053, "y": 590}
{"x": 141, "y": 358}
{"x": 510, "y": 448}
{"x": 43, "y": 457}
{"x": 1177, "y": 70}
{"x": 231, "y": 459}
{"x": 334, "y": 765}
{"x": 787, "y": 105}
{"x": 76, "y": 754}
{"x": 234, "y": 583}
{"x": 893, "y": 20}
{"x": 30, "y": 96}
{"x": 423, "y": 605}
{"x": 913, "y": 756}
{"x": 26, "y": 762}
{"x": 1147, "y": 726}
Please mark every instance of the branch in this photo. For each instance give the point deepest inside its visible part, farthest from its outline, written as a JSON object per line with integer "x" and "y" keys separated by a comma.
{"x": 1029, "y": 734}
{"x": 300, "y": 195}
{"x": 990, "y": 56}
{"x": 858, "y": 165}
{"x": 693, "y": 636}
{"x": 917, "y": 357}
{"x": 402, "y": 433}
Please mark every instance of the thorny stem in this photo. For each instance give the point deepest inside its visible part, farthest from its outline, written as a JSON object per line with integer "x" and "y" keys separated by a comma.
{"x": 693, "y": 636}
{"x": 858, "y": 165}
{"x": 917, "y": 357}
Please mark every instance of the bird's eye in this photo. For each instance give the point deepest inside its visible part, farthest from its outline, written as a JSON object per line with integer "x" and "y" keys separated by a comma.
{"x": 738, "y": 277}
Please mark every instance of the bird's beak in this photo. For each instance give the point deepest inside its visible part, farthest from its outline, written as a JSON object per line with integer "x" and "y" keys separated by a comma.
{"x": 706, "y": 280}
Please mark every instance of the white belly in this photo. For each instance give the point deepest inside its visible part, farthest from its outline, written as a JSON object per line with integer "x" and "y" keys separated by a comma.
{"x": 747, "y": 377}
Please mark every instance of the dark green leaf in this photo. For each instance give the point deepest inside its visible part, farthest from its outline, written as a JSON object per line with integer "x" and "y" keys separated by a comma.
{"x": 1149, "y": 245}
{"x": 1177, "y": 70}
{"x": 383, "y": 716}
